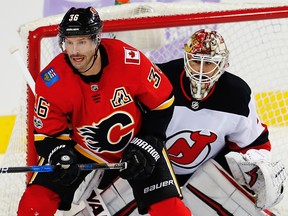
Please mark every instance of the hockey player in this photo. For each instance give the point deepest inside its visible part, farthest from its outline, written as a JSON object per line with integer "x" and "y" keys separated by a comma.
{"x": 101, "y": 101}
{"x": 219, "y": 149}
{"x": 215, "y": 114}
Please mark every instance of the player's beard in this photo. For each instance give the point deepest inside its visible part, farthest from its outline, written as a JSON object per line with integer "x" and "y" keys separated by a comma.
{"x": 81, "y": 62}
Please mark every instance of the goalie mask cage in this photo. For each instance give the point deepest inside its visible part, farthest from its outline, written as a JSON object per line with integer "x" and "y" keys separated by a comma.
{"x": 255, "y": 34}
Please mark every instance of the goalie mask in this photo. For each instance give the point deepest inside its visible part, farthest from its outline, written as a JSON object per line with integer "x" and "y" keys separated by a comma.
{"x": 81, "y": 22}
{"x": 205, "y": 60}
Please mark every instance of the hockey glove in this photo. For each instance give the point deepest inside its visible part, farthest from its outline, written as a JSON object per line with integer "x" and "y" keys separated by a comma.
{"x": 141, "y": 157}
{"x": 263, "y": 177}
{"x": 66, "y": 171}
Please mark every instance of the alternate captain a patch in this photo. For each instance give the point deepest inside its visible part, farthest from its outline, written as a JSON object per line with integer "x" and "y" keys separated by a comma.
{"x": 50, "y": 77}
{"x": 132, "y": 56}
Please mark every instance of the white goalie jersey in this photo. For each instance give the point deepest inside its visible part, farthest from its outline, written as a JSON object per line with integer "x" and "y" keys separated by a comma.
{"x": 224, "y": 121}
{"x": 200, "y": 130}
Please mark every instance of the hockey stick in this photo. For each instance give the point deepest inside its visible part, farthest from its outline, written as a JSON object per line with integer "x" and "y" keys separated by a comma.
{"x": 27, "y": 75}
{"x": 50, "y": 168}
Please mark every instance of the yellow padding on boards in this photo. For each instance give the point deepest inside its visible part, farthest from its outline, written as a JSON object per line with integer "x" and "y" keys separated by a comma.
{"x": 6, "y": 126}
{"x": 272, "y": 107}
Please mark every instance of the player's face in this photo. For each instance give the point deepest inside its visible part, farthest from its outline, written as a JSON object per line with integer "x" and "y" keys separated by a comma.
{"x": 206, "y": 68}
{"x": 81, "y": 51}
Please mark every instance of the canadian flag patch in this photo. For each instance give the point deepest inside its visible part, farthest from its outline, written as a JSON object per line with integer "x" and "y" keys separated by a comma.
{"x": 132, "y": 56}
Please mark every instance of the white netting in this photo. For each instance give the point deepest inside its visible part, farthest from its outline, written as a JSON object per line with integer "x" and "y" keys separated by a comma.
{"x": 259, "y": 53}
{"x": 13, "y": 185}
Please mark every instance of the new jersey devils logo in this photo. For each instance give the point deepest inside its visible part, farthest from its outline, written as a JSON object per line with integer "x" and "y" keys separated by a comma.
{"x": 253, "y": 175}
{"x": 188, "y": 149}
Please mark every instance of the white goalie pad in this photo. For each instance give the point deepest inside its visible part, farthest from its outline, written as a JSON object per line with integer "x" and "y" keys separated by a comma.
{"x": 264, "y": 178}
{"x": 118, "y": 196}
{"x": 108, "y": 202}
{"x": 211, "y": 191}
{"x": 87, "y": 200}
{"x": 84, "y": 190}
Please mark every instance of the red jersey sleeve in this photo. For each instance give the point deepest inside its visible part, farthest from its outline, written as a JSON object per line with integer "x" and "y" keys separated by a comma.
{"x": 145, "y": 80}
{"x": 51, "y": 106}
{"x": 156, "y": 88}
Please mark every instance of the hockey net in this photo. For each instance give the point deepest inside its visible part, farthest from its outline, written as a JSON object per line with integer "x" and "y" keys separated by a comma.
{"x": 256, "y": 35}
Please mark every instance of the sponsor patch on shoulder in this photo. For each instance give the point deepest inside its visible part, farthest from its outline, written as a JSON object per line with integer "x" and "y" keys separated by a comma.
{"x": 132, "y": 56}
{"x": 50, "y": 77}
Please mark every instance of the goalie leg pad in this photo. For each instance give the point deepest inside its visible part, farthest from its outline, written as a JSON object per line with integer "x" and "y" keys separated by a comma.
{"x": 91, "y": 181}
{"x": 119, "y": 197}
{"x": 212, "y": 191}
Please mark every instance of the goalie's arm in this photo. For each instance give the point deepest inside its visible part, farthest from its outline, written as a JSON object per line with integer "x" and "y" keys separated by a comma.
{"x": 262, "y": 142}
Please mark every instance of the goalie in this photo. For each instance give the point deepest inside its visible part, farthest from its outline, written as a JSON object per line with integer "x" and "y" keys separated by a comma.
{"x": 219, "y": 149}
{"x": 215, "y": 118}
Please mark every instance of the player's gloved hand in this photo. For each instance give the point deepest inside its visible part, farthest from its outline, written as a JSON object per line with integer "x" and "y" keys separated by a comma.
{"x": 141, "y": 157}
{"x": 66, "y": 171}
{"x": 255, "y": 170}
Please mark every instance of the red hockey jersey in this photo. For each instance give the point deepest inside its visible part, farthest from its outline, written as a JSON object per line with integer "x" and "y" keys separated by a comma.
{"x": 103, "y": 113}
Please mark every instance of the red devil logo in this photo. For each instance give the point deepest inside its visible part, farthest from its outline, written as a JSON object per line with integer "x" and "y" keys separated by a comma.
{"x": 189, "y": 149}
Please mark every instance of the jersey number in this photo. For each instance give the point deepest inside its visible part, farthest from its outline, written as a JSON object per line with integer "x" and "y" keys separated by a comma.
{"x": 155, "y": 77}
{"x": 42, "y": 107}
{"x": 74, "y": 17}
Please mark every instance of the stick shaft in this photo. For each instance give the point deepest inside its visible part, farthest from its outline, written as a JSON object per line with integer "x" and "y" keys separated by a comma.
{"x": 24, "y": 70}
{"x": 49, "y": 168}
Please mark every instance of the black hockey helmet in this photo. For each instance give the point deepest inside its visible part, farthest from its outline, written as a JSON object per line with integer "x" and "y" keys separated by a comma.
{"x": 79, "y": 22}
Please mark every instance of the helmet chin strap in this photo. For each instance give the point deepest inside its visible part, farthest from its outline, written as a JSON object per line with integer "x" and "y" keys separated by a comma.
{"x": 95, "y": 57}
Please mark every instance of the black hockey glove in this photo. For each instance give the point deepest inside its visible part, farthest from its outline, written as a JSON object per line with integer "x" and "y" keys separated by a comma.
{"x": 141, "y": 157}
{"x": 66, "y": 171}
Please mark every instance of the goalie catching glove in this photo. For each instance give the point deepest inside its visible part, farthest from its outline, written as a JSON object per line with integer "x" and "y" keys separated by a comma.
{"x": 141, "y": 156}
{"x": 66, "y": 170}
{"x": 263, "y": 177}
